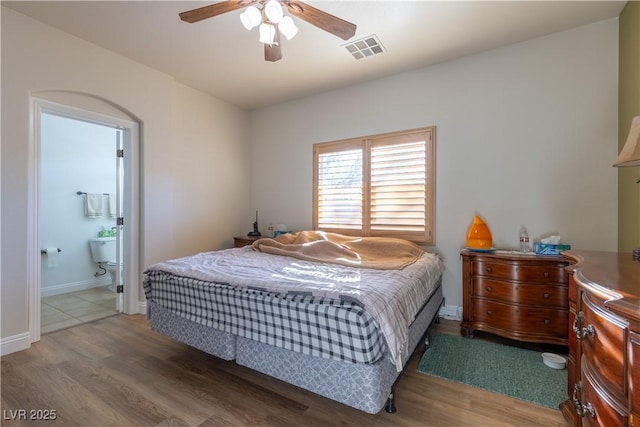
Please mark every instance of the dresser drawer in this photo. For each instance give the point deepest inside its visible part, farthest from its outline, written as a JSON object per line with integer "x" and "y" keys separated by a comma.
{"x": 542, "y": 322}
{"x": 634, "y": 372}
{"x": 603, "y": 343}
{"x": 521, "y": 293}
{"x": 543, "y": 273}
{"x": 601, "y": 409}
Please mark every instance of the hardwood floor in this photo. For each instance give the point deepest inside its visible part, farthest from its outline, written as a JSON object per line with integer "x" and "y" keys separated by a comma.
{"x": 117, "y": 372}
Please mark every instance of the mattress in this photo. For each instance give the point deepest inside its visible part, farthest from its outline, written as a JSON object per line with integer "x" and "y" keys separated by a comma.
{"x": 315, "y": 326}
{"x": 326, "y": 310}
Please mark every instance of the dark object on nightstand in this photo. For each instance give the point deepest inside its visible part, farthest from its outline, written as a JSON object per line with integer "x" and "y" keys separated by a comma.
{"x": 255, "y": 232}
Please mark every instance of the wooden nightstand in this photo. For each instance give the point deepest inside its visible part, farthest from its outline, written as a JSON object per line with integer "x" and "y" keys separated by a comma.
{"x": 239, "y": 242}
{"x": 519, "y": 296}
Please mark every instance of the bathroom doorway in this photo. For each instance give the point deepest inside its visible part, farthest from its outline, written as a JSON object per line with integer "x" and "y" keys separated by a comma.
{"x": 86, "y": 216}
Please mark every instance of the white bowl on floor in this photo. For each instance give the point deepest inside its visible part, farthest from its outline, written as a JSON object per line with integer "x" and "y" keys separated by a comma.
{"x": 554, "y": 361}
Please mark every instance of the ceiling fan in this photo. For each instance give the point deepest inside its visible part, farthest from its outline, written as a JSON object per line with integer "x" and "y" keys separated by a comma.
{"x": 269, "y": 15}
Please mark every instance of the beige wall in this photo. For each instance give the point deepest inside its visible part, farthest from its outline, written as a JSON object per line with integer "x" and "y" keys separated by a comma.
{"x": 193, "y": 151}
{"x": 210, "y": 179}
{"x": 629, "y": 106}
{"x": 526, "y": 134}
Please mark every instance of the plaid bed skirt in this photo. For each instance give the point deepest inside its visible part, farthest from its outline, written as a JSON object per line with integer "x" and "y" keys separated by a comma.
{"x": 311, "y": 325}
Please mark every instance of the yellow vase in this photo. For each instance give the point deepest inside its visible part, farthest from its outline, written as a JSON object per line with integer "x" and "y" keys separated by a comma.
{"x": 479, "y": 235}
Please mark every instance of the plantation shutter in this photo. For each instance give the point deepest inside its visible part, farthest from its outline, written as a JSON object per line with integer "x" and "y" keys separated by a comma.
{"x": 398, "y": 186}
{"x": 340, "y": 192}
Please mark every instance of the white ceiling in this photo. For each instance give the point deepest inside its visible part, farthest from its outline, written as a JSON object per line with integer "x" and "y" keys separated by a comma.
{"x": 220, "y": 57}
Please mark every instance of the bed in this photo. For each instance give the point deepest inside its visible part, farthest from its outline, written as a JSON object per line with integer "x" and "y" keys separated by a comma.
{"x": 332, "y": 314}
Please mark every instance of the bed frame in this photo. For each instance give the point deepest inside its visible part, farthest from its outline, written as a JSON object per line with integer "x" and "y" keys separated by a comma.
{"x": 367, "y": 387}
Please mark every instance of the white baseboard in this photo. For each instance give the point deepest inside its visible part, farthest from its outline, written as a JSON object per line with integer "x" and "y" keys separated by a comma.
{"x": 142, "y": 307}
{"x": 14, "y": 343}
{"x": 22, "y": 341}
{"x": 64, "y": 288}
{"x": 452, "y": 312}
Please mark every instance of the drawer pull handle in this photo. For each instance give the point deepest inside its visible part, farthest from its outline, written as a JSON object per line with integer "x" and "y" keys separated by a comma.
{"x": 545, "y": 274}
{"x": 582, "y": 409}
{"x": 590, "y": 409}
{"x": 489, "y": 289}
{"x": 490, "y": 313}
{"x": 582, "y": 333}
{"x": 546, "y": 295}
{"x": 489, "y": 270}
{"x": 547, "y": 321}
{"x": 576, "y": 400}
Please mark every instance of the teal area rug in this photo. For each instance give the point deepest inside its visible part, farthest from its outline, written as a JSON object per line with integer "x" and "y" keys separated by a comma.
{"x": 511, "y": 371}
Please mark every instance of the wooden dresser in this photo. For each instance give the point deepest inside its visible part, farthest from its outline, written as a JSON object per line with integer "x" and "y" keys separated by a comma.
{"x": 517, "y": 296}
{"x": 604, "y": 340}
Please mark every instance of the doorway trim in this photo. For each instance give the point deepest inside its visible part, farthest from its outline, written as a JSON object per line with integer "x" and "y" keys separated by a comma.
{"x": 131, "y": 190}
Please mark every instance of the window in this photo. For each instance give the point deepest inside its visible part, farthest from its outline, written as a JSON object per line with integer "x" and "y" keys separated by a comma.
{"x": 377, "y": 186}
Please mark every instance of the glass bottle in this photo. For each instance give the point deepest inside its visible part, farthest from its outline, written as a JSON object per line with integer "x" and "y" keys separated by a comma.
{"x": 524, "y": 240}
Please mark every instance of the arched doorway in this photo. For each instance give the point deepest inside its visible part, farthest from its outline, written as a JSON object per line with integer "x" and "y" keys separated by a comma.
{"x": 90, "y": 110}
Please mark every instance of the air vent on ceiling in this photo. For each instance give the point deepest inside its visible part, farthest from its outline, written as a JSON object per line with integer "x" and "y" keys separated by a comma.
{"x": 365, "y": 47}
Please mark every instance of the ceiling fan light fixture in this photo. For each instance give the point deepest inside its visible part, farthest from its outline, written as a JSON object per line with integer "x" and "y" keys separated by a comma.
{"x": 287, "y": 27}
{"x": 267, "y": 33}
{"x": 272, "y": 23}
{"x": 251, "y": 17}
{"x": 273, "y": 11}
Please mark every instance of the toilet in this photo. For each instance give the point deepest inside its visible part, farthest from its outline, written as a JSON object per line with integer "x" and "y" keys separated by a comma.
{"x": 111, "y": 268}
{"x": 103, "y": 251}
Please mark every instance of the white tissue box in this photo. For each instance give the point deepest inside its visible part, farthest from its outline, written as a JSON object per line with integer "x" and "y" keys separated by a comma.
{"x": 550, "y": 248}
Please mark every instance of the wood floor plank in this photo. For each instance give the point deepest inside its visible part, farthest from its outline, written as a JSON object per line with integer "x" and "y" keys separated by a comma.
{"x": 117, "y": 372}
{"x": 21, "y": 393}
{"x": 120, "y": 396}
{"x": 167, "y": 391}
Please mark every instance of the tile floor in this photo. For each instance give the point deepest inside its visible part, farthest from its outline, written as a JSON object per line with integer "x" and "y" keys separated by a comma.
{"x": 66, "y": 310}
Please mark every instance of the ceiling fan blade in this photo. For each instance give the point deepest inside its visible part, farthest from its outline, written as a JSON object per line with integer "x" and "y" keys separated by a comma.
{"x": 205, "y": 12}
{"x": 272, "y": 52}
{"x": 323, "y": 20}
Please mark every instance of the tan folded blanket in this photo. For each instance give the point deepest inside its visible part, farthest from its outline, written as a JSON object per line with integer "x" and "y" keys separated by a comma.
{"x": 381, "y": 253}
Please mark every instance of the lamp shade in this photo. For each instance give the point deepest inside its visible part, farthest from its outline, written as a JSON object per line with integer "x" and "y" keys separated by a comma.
{"x": 273, "y": 11}
{"x": 287, "y": 27}
{"x": 267, "y": 33}
{"x": 251, "y": 17}
{"x": 630, "y": 154}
